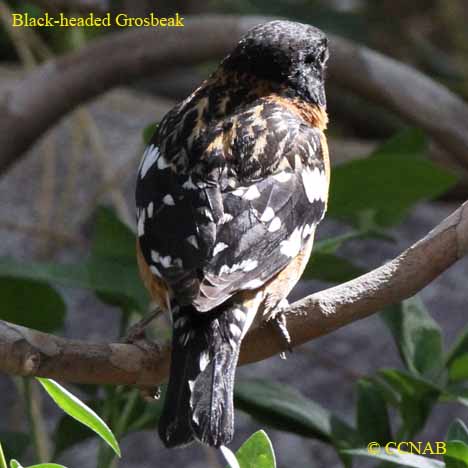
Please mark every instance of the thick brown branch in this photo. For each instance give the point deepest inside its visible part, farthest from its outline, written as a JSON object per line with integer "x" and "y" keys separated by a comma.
{"x": 28, "y": 352}
{"x": 60, "y": 85}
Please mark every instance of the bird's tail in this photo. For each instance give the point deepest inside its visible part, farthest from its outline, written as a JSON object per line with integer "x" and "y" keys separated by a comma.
{"x": 199, "y": 397}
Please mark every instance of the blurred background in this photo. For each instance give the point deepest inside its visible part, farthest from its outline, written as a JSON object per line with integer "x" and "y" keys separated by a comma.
{"x": 51, "y": 213}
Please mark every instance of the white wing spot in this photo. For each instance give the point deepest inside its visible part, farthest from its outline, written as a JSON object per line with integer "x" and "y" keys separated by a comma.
{"x": 219, "y": 248}
{"x": 282, "y": 176}
{"x": 189, "y": 185}
{"x": 252, "y": 193}
{"x": 238, "y": 315}
{"x": 155, "y": 271}
{"x": 267, "y": 215}
{"x": 254, "y": 284}
{"x": 155, "y": 256}
{"x": 274, "y": 225}
{"x": 207, "y": 213}
{"x": 148, "y": 159}
{"x": 141, "y": 223}
{"x": 150, "y": 209}
{"x": 193, "y": 241}
{"x": 226, "y": 218}
{"x": 246, "y": 266}
{"x": 307, "y": 231}
{"x": 204, "y": 360}
{"x": 239, "y": 192}
{"x": 166, "y": 262}
{"x": 162, "y": 163}
{"x": 292, "y": 246}
{"x": 235, "y": 330}
{"x": 168, "y": 200}
{"x": 315, "y": 184}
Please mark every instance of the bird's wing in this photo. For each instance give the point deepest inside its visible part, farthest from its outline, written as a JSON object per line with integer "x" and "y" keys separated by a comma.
{"x": 213, "y": 233}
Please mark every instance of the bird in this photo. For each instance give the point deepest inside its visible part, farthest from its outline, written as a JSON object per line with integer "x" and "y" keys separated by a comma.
{"x": 229, "y": 192}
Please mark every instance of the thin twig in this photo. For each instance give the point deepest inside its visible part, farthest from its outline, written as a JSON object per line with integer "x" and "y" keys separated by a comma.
{"x": 17, "y": 37}
{"x": 88, "y": 124}
{"x": 46, "y": 198}
{"x": 70, "y": 187}
{"x": 52, "y": 235}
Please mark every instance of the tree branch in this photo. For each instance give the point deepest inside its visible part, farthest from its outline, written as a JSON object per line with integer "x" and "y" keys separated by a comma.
{"x": 60, "y": 85}
{"x": 28, "y": 352}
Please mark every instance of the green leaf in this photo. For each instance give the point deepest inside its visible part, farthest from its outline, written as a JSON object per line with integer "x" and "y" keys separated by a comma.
{"x": 324, "y": 265}
{"x": 78, "y": 410}
{"x": 457, "y": 454}
{"x": 31, "y": 304}
{"x": 372, "y": 416}
{"x": 459, "y": 348}
{"x": 148, "y": 132}
{"x": 332, "y": 244}
{"x": 458, "y": 369}
{"x": 14, "y": 443}
{"x": 2, "y": 458}
{"x": 458, "y": 431}
{"x": 112, "y": 238}
{"x": 402, "y": 459}
{"x": 391, "y": 181}
{"x": 418, "y": 397}
{"x": 417, "y": 336}
{"x": 257, "y": 452}
{"x": 284, "y": 408}
{"x": 100, "y": 276}
{"x": 16, "y": 464}
{"x": 331, "y": 268}
{"x": 114, "y": 247}
{"x": 457, "y": 358}
{"x": 111, "y": 271}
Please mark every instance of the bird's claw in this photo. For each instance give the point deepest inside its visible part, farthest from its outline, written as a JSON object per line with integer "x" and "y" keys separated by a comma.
{"x": 136, "y": 336}
{"x": 136, "y": 332}
{"x": 279, "y": 320}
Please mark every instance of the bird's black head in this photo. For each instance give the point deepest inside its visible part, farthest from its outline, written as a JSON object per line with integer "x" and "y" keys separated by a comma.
{"x": 291, "y": 55}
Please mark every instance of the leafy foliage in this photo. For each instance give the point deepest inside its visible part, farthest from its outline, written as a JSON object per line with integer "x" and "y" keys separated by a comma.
{"x": 110, "y": 271}
{"x": 21, "y": 296}
{"x": 75, "y": 408}
{"x": 391, "y": 181}
{"x": 257, "y": 452}
{"x": 388, "y": 185}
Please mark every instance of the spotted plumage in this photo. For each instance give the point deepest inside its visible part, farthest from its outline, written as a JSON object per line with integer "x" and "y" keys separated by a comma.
{"x": 229, "y": 192}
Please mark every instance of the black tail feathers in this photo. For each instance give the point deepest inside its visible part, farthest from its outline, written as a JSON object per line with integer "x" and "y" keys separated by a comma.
{"x": 199, "y": 397}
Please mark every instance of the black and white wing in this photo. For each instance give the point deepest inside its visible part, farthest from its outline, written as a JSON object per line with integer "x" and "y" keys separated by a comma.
{"x": 211, "y": 233}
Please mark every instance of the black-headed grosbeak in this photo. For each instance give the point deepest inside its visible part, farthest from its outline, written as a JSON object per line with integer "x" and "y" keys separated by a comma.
{"x": 229, "y": 193}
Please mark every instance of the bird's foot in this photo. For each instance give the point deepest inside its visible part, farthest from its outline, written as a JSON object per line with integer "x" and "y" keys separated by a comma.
{"x": 136, "y": 332}
{"x": 279, "y": 319}
{"x": 136, "y": 336}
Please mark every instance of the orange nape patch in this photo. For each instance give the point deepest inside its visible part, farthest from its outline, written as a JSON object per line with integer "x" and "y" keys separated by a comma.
{"x": 314, "y": 115}
{"x": 156, "y": 287}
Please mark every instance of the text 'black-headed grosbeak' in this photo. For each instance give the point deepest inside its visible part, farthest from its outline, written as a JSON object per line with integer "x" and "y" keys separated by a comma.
{"x": 230, "y": 190}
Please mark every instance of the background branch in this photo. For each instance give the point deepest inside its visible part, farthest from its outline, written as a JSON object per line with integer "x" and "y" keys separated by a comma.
{"x": 28, "y": 352}
{"x": 120, "y": 58}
